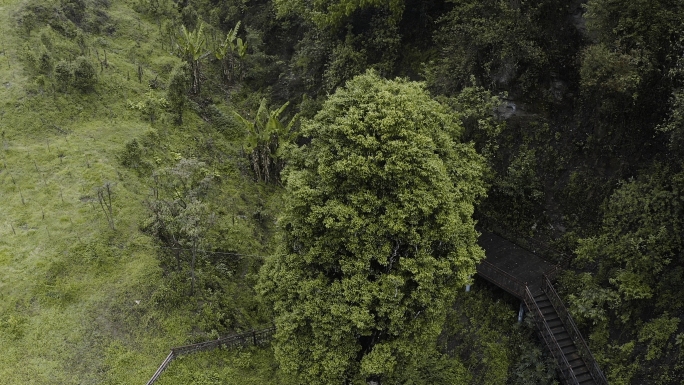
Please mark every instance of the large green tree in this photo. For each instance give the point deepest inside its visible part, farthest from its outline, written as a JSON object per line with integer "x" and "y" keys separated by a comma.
{"x": 377, "y": 234}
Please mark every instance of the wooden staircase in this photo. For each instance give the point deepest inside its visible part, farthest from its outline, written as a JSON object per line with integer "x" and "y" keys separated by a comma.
{"x": 556, "y": 328}
{"x": 560, "y": 336}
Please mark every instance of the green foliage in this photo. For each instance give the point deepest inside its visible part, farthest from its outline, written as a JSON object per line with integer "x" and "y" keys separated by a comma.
{"x": 191, "y": 48}
{"x": 132, "y": 157}
{"x": 85, "y": 76}
{"x": 637, "y": 257}
{"x": 326, "y": 13}
{"x": 251, "y": 366}
{"x": 345, "y": 63}
{"x": 607, "y": 71}
{"x": 474, "y": 106}
{"x": 621, "y": 366}
{"x": 65, "y": 16}
{"x": 267, "y": 140}
{"x": 534, "y": 368}
{"x": 377, "y": 234}
{"x": 63, "y": 74}
{"x": 638, "y": 27}
{"x": 13, "y": 326}
{"x": 639, "y": 237}
{"x": 193, "y": 219}
{"x": 482, "y": 334}
{"x": 151, "y": 105}
{"x": 230, "y": 53}
{"x": 521, "y": 179}
{"x": 494, "y": 41}
{"x": 629, "y": 74}
{"x": 45, "y": 62}
{"x": 46, "y": 38}
{"x": 674, "y": 125}
{"x": 156, "y": 8}
{"x": 657, "y": 332}
{"x": 177, "y": 90}
{"x": 589, "y": 302}
{"x": 74, "y": 10}
{"x": 180, "y": 219}
{"x": 92, "y": 304}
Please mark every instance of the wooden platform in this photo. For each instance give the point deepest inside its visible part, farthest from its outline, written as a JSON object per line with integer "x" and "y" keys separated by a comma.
{"x": 514, "y": 260}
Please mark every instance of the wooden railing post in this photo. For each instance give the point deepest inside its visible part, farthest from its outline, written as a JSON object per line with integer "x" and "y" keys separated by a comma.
{"x": 228, "y": 341}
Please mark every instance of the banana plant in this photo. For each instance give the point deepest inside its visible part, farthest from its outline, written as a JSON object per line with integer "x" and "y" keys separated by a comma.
{"x": 191, "y": 47}
{"x": 266, "y": 140}
{"x": 226, "y": 52}
{"x": 241, "y": 48}
{"x": 228, "y": 45}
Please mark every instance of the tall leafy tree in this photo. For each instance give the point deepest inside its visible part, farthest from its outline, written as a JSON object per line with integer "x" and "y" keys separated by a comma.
{"x": 377, "y": 234}
{"x": 332, "y": 13}
{"x": 177, "y": 89}
{"x": 179, "y": 217}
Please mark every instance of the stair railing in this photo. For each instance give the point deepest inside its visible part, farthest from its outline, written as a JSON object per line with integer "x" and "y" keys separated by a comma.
{"x": 502, "y": 279}
{"x": 520, "y": 289}
{"x": 550, "y": 339}
{"x": 254, "y": 338}
{"x": 574, "y": 332}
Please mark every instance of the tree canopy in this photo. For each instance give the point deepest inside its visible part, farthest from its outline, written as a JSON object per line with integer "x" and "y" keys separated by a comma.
{"x": 376, "y": 236}
{"x": 331, "y": 13}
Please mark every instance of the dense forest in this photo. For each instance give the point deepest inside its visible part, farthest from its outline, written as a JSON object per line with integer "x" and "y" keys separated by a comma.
{"x": 174, "y": 171}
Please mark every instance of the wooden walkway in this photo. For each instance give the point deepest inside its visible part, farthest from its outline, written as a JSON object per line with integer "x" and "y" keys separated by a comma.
{"x": 525, "y": 266}
{"x": 512, "y": 268}
{"x": 529, "y": 278}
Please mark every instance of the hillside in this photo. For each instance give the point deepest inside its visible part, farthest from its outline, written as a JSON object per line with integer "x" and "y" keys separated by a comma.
{"x": 81, "y": 291}
{"x": 143, "y": 143}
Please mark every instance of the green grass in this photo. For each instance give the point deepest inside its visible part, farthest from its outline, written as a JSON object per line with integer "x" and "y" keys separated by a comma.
{"x": 76, "y": 297}
{"x": 225, "y": 367}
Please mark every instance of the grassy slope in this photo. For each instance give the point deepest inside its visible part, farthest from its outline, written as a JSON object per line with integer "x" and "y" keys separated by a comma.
{"x": 226, "y": 367}
{"x": 69, "y": 284}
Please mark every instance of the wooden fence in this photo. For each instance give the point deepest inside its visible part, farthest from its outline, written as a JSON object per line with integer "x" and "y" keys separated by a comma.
{"x": 252, "y": 338}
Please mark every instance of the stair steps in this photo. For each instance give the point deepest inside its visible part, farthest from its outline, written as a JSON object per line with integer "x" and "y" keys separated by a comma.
{"x": 562, "y": 337}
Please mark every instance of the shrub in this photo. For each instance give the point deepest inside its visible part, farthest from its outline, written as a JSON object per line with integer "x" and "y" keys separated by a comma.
{"x": 179, "y": 84}
{"x": 45, "y": 62}
{"x": 46, "y": 37}
{"x": 84, "y": 74}
{"x": 63, "y": 74}
{"x": 74, "y": 10}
